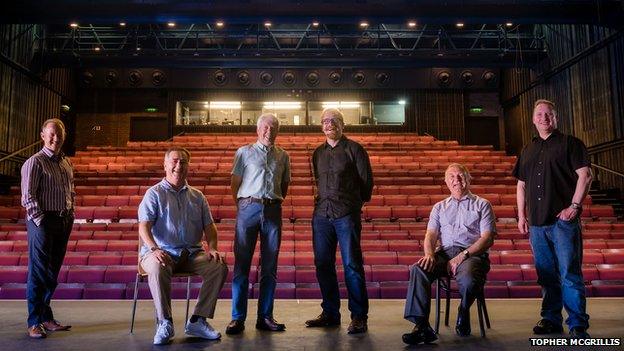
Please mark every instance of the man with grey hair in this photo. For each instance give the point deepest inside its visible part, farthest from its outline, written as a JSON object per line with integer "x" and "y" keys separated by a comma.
{"x": 48, "y": 196}
{"x": 554, "y": 176}
{"x": 465, "y": 226}
{"x": 174, "y": 221}
{"x": 344, "y": 180}
{"x": 260, "y": 179}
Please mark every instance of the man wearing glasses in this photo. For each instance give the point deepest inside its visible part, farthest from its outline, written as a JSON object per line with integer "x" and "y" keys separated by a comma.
{"x": 344, "y": 182}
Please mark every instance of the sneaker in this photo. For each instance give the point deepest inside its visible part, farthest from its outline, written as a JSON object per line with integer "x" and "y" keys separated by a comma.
{"x": 202, "y": 329}
{"x": 164, "y": 332}
{"x": 579, "y": 333}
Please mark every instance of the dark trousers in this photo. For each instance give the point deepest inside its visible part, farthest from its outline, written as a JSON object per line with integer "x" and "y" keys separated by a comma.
{"x": 47, "y": 244}
{"x": 470, "y": 279}
{"x": 346, "y": 231}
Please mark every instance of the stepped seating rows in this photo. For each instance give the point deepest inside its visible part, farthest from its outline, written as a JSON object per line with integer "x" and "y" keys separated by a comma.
{"x": 408, "y": 169}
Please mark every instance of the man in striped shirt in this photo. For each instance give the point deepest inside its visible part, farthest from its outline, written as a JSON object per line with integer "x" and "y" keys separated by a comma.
{"x": 48, "y": 197}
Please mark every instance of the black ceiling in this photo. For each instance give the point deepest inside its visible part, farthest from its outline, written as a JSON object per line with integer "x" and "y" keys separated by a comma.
{"x": 602, "y": 12}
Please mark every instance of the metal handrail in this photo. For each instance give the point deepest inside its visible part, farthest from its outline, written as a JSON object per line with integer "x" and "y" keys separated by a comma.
{"x": 11, "y": 155}
{"x": 608, "y": 170}
{"x": 179, "y": 134}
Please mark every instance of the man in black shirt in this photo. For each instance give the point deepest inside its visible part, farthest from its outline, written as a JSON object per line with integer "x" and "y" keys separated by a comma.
{"x": 554, "y": 176}
{"x": 344, "y": 182}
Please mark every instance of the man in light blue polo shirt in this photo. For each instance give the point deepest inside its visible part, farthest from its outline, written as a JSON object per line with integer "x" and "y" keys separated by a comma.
{"x": 174, "y": 219}
{"x": 465, "y": 226}
{"x": 260, "y": 178}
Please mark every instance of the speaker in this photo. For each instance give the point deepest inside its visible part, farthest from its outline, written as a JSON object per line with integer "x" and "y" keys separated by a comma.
{"x": 158, "y": 78}
{"x": 135, "y": 78}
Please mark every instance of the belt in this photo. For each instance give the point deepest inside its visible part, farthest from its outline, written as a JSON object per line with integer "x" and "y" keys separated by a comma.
{"x": 264, "y": 200}
{"x": 63, "y": 213}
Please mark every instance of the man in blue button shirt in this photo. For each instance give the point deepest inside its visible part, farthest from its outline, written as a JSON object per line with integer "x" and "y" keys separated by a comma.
{"x": 260, "y": 178}
{"x": 465, "y": 226}
{"x": 174, "y": 220}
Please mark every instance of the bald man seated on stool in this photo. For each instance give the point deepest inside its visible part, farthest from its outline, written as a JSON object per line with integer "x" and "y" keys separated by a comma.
{"x": 465, "y": 226}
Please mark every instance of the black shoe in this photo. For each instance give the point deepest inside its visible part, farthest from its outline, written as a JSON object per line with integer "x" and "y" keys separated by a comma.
{"x": 579, "y": 333}
{"x": 268, "y": 323}
{"x": 422, "y": 334}
{"x": 546, "y": 326}
{"x": 358, "y": 325}
{"x": 323, "y": 320}
{"x": 462, "y": 327}
{"x": 235, "y": 327}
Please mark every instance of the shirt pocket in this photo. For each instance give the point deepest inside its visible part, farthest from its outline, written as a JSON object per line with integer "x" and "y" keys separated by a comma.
{"x": 470, "y": 220}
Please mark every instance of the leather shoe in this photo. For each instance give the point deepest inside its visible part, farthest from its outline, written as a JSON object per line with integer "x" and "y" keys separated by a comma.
{"x": 420, "y": 334}
{"x": 323, "y": 320}
{"x": 579, "y": 333}
{"x": 462, "y": 328}
{"x": 270, "y": 324}
{"x": 546, "y": 326}
{"x": 54, "y": 325}
{"x": 37, "y": 332}
{"x": 235, "y": 327}
{"x": 358, "y": 325}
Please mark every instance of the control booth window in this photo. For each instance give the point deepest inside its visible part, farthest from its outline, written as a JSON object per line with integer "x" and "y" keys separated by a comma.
{"x": 355, "y": 112}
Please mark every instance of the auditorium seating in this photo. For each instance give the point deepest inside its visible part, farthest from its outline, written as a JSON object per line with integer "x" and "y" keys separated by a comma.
{"x": 408, "y": 170}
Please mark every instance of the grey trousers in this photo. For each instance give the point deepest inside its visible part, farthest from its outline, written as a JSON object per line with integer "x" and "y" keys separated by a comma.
{"x": 470, "y": 279}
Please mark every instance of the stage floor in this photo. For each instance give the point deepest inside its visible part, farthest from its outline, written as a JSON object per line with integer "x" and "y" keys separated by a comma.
{"x": 104, "y": 325}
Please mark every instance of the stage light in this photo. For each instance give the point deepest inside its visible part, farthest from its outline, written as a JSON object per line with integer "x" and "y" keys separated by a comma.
{"x": 220, "y": 24}
{"x": 73, "y": 25}
{"x": 509, "y": 24}
{"x": 122, "y": 24}
{"x": 460, "y": 25}
{"x": 315, "y": 24}
{"x": 233, "y": 105}
{"x": 363, "y": 24}
{"x": 171, "y": 24}
{"x": 267, "y": 24}
{"x": 97, "y": 48}
{"x": 402, "y": 102}
{"x": 411, "y": 24}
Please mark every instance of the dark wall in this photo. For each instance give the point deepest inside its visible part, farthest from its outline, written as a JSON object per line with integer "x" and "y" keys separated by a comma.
{"x": 583, "y": 77}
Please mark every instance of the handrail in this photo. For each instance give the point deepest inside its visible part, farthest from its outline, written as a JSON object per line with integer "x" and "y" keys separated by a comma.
{"x": 11, "y": 155}
{"x": 179, "y": 134}
{"x": 608, "y": 170}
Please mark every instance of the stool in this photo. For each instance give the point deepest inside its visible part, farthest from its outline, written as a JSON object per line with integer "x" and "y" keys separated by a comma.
{"x": 444, "y": 283}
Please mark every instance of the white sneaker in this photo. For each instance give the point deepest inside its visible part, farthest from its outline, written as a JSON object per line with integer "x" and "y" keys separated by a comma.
{"x": 164, "y": 332}
{"x": 202, "y": 329}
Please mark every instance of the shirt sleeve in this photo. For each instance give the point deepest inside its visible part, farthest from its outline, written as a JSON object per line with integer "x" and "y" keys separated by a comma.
{"x": 31, "y": 175}
{"x": 434, "y": 218}
{"x": 238, "y": 165}
{"x": 286, "y": 174}
{"x": 206, "y": 214}
{"x": 365, "y": 173}
{"x": 488, "y": 219}
{"x": 517, "y": 170}
{"x": 148, "y": 209}
{"x": 579, "y": 157}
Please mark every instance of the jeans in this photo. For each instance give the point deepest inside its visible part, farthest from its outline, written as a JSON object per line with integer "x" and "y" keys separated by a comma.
{"x": 346, "y": 231}
{"x": 558, "y": 251}
{"x": 47, "y": 244}
{"x": 252, "y": 218}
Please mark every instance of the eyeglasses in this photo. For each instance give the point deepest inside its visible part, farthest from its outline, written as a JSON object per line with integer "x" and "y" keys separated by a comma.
{"x": 326, "y": 121}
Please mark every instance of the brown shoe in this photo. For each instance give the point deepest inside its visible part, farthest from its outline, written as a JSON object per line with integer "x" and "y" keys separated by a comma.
{"x": 37, "y": 332}
{"x": 54, "y": 325}
{"x": 235, "y": 327}
{"x": 323, "y": 320}
{"x": 358, "y": 325}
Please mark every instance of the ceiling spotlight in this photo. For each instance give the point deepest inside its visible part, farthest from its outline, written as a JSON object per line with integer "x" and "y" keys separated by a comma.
{"x": 219, "y": 24}
{"x": 363, "y": 24}
{"x": 460, "y": 25}
{"x": 73, "y": 25}
{"x": 138, "y": 48}
{"x": 267, "y": 24}
{"x": 97, "y": 48}
{"x": 122, "y": 24}
{"x": 315, "y": 24}
{"x": 411, "y": 24}
{"x": 509, "y": 24}
{"x": 171, "y": 24}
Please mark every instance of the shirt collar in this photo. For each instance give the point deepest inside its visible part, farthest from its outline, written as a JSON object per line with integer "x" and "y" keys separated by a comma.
{"x": 165, "y": 184}
{"x": 263, "y": 147}
{"x": 555, "y": 133}
{"x": 469, "y": 196}
{"x": 51, "y": 154}
{"x": 343, "y": 140}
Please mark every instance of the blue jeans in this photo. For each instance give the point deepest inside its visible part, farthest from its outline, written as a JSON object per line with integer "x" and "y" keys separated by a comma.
{"x": 47, "y": 244}
{"x": 346, "y": 231}
{"x": 558, "y": 251}
{"x": 253, "y": 218}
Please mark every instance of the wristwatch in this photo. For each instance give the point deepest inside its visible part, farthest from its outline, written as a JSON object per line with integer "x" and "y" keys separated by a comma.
{"x": 576, "y": 206}
{"x": 154, "y": 248}
{"x": 466, "y": 253}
